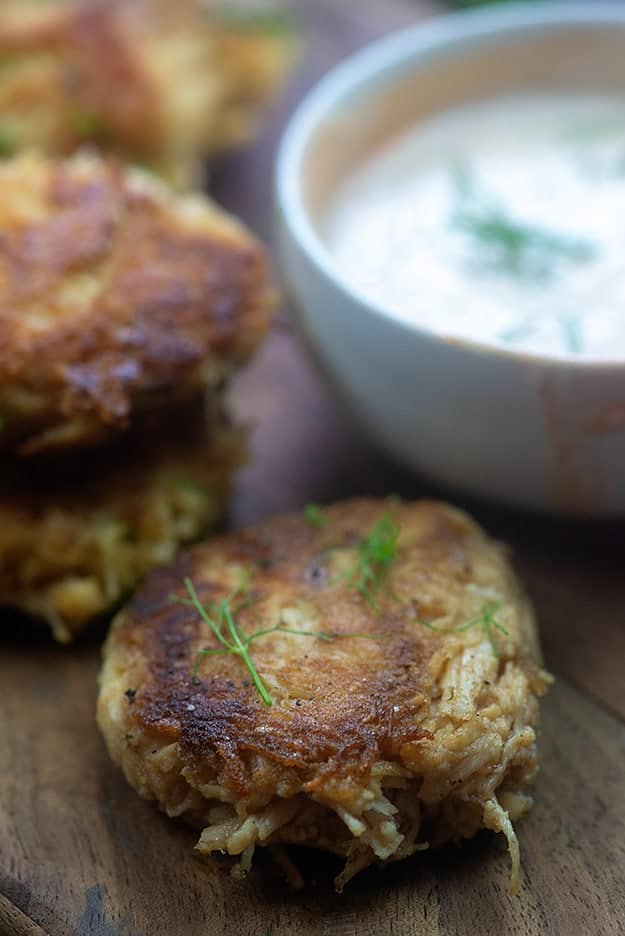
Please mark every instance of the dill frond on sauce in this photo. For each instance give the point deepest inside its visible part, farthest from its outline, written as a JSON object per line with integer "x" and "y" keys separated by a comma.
{"x": 486, "y": 621}
{"x": 508, "y": 245}
{"x": 571, "y": 329}
{"x": 221, "y": 618}
{"x": 569, "y": 326}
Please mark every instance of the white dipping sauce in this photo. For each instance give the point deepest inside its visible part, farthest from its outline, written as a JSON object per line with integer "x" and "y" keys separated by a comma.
{"x": 502, "y": 221}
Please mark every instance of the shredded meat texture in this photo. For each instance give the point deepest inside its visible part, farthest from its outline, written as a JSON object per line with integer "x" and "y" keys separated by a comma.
{"x": 115, "y": 297}
{"x": 155, "y": 82}
{"x": 76, "y": 535}
{"x": 400, "y": 718}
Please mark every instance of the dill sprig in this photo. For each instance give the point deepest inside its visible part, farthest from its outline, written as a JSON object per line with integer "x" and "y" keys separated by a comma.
{"x": 222, "y": 617}
{"x": 569, "y": 326}
{"x": 314, "y": 515}
{"x": 376, "y": 553}
{"x": 486, "y": 621}
{"x": 271, "y": 20}
{"x": 218, "y": 617}
{"x": 511, "y": 246}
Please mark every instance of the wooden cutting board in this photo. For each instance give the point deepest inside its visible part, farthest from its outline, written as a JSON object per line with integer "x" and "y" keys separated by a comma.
{"x": 81, "y": 855}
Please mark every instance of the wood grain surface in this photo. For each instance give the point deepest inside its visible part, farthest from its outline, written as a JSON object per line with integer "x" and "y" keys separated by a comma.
{"x": 81, "y": 855}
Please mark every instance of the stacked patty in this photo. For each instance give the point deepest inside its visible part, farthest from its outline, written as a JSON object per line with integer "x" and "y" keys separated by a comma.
{"x": 157, "y": 82}
{"x": 122, "y": 311}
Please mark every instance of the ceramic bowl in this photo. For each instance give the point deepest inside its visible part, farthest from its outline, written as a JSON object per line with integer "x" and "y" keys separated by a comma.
{"x": 530, "y": 430}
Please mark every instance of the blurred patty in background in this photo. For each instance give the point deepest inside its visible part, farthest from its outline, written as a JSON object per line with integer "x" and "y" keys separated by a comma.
{"x": 160, "y": 83}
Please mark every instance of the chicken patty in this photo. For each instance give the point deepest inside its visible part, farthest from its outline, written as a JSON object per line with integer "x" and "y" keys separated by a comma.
{"x": 156, "y": 82}
{"x": 114, "y": 297}
{"x": 363, "y": 679}
{"x": 77, "y": 535}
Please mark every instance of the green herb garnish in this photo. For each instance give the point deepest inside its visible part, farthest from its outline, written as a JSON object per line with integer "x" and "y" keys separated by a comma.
{"x": 486, "y": 621}
{"x": 315, "y": 516}
{"x": 254, "y": 19}
{"x": 510, "y": 246}
{"x": 185, "y": 483}
{"x": 376, "y": 552}
{"x": 223, "y": 617}
{"x": 151, "y": 166}
{"x": 7, "y": 145}
{"x": 570, "y": 329}
{"x": 220, "y": 616}
{"x": 88, "y": 124}
{"x": 518, "y": 332}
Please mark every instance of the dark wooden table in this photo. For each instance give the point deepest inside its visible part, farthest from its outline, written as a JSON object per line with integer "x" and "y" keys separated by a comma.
{"x": 81, "y": 854}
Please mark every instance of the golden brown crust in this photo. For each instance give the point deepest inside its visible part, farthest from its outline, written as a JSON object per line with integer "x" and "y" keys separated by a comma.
{"x": 444, "y": 712}
{"x": 113, "y": 297}
{"x": 343, "y": 720}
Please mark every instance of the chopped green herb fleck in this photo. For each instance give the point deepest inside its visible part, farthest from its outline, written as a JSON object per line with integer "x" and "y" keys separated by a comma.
{"x": 258, "y": 19}
{"x": 511, "y": 246}
{"x": 188, "y": 484}
{"x": 518, "y": 332}
{"x": 7, "y": 145}
{"x": 315, "y": 516}
{"x": 486, "y": 621}
{"x": 570, "y": 328}
{"x": 87, "y": 124}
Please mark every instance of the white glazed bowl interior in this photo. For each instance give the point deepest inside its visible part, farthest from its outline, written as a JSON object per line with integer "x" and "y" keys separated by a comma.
{"x": 536, "y": 431}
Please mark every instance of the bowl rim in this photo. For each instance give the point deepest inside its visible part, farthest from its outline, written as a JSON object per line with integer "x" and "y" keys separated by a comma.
{"x": 385, "y": 59}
